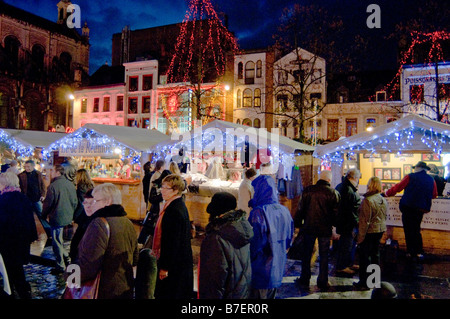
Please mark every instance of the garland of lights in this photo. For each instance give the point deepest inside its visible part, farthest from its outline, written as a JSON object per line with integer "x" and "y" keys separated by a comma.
{"x": 18, "y": 147}
{"x": 95, "y": 139}
{"x": 435, "y": 54}
{"x": 231, "y": 143}
{"x": 400, "y": 142}
{"x": 202, "y": 39}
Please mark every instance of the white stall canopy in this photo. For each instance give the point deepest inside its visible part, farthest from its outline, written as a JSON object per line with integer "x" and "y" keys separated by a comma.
{"x": 106, "y": 140}
{"x": 410, "y": 134}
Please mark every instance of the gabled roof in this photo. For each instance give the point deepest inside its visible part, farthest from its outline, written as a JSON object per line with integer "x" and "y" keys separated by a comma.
{"x": 35, "y": 138}
{"x": 410, "y": 134}
{"x": 286, "y": 144}
{"x": 136, "y": 139}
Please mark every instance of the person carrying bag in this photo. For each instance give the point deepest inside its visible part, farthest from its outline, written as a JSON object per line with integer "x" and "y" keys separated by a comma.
{"x": 88, "y": 289}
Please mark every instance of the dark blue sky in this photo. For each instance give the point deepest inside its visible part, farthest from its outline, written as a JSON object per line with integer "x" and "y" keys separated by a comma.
{"x": 253, "y": 21}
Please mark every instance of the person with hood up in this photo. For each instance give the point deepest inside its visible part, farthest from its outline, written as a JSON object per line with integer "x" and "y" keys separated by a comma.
{"x": 225, "y": 266}
{"x": 273, "y": 230}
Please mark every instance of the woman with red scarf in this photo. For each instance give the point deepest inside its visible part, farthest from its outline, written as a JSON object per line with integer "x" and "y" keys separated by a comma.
{"x": 172, "y": 243}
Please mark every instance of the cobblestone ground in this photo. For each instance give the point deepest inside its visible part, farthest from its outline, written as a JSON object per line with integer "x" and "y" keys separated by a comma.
{"x": 429, "y": 280}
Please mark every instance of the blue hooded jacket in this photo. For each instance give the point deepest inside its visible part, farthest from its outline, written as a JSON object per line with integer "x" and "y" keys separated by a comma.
{"x": 273, "y": 230}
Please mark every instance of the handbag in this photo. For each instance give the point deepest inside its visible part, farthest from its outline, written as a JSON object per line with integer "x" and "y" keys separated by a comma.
{"x": 88, "y": 289}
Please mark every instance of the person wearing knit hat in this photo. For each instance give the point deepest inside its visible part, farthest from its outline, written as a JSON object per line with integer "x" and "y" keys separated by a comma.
{"x": 221, "y": 202}
{"x": 225, "y": 265}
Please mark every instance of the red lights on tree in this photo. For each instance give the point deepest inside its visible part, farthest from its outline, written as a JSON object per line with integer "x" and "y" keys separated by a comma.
{"x": 201, "y": 52}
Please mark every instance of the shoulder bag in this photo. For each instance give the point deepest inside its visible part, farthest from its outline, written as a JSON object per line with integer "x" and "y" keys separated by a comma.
{"x": 88, "y": 289}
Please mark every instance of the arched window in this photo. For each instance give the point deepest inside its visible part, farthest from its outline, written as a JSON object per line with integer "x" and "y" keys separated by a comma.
{"x": 257, "y": 98}
{"x": 238, "y": 121}
{"x": 257, "y": 123}
{"x": 239, "y": 99}
{"x": 247, "y": 122}
{"x": 250, "y": 72}
{"x": 258, "y": 69}
{"x": 12, "y": 45}
{"x": 240, "y": 70}
{"x": 37, "y": 61}
{"x": 247, "y": 98}
{"x": 65, "y": 62}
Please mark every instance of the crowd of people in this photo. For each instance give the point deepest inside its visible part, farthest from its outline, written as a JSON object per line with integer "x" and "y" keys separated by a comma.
{"x": 244, "y": 251}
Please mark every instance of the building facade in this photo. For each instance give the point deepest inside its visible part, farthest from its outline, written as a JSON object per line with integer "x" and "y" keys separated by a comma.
{"x": 41, "y": 62}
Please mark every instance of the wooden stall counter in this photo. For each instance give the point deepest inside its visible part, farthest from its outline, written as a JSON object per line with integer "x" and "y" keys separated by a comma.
{"x": 132, "y": 195}
{"x": 435, "y": 225}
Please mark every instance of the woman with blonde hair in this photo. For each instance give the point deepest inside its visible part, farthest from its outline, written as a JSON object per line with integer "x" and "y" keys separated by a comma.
{"x": 173, "y": 167}
{"x": 83, "y": 183}
{"x": 372, "y": 225}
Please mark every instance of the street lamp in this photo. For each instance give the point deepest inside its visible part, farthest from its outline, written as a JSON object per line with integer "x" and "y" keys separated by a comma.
{"x": 70, "y": 97}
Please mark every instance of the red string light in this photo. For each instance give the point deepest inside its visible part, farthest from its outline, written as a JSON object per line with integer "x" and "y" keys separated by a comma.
{"x": 201, "y": 45}
{"x": 435, "y": 54}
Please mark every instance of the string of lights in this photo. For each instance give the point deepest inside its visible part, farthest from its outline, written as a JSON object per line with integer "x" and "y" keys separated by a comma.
{"x": 16, "y": 146}
{"x": 435, "y": 55}
{"x": 87, "y": 138}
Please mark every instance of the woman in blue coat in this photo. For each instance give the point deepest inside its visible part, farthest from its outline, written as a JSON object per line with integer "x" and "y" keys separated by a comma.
{"x": 273, "y": 230}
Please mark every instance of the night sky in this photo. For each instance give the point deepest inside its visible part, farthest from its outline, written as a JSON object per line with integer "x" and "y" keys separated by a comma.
{"x": 252, "y": 21}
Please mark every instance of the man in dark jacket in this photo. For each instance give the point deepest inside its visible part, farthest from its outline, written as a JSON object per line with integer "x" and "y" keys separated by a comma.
{"x": 33, "y": 186}
{"x": 225, "y": 265}
{"x": 315, "y": 217}
{"x": 420, "y": 188}
{"x": 347, "y": 222}
{"x": 59, "y": 206}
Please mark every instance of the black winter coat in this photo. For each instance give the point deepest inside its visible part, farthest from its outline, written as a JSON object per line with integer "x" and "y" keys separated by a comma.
{"x": 225, "y": 264}
{"x": 17, "y": 227}
{"x": 317, "y": 211}
{"x": 348, "y": 207}
{"x": 176, "y": 253}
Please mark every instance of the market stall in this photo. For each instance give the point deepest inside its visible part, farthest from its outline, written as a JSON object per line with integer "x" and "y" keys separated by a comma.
{"x": 22, "y": 145}
{"x": 215, "y": 156}
{"x": 389, "y": 152}
{"x": 111, "y": 154}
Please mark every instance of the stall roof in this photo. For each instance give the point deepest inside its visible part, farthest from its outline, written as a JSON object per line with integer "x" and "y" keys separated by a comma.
{"x": 410, "y": 134}
{"x": 35, "y": 138}
{"x": 286, "y": 144}
{"x": 138, "y": 139}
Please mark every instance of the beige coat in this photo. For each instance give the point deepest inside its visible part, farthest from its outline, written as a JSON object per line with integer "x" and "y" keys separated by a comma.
{"x": 372, "y": 215}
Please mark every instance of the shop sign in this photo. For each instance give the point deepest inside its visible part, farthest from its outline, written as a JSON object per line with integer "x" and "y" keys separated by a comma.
{"x": 438, "y": 218}
{"x": 86, "y": 148}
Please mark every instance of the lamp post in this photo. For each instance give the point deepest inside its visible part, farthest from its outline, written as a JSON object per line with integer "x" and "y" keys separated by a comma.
{"x": 70, "y": 97}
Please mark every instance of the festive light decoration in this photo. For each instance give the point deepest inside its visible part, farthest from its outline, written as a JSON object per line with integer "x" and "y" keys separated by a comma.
{"x": 93, "y": 141}
{"x": 415, "y": 137}
{"x": 23, "y": 150}
{"x": 200, "y": 53}
{"x": 435, "y": 55}
{"x": 201, "y": 44}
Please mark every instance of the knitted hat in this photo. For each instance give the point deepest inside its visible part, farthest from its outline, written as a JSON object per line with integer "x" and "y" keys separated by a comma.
{"x": 221, "y": 202}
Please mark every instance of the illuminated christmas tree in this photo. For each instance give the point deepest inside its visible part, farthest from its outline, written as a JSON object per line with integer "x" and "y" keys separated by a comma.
{"x": 201, "y": 54}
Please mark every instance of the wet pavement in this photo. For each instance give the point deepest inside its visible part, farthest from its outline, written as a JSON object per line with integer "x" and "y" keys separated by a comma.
{"x": 429, "y": 279}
